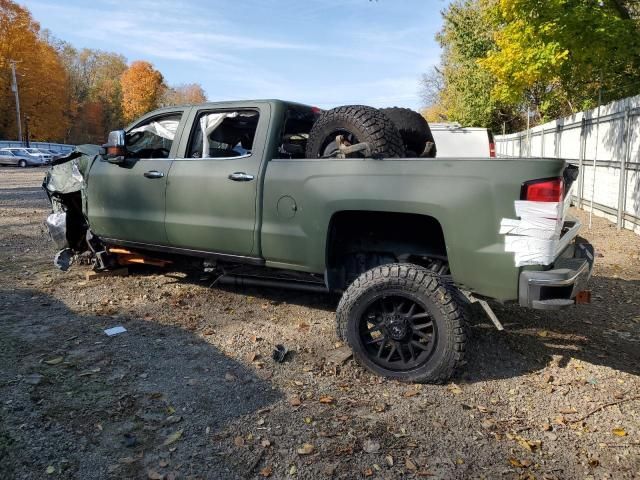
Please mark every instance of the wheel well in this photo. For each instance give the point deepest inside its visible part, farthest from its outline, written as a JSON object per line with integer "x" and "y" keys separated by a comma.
{"x": 360, "y": 240}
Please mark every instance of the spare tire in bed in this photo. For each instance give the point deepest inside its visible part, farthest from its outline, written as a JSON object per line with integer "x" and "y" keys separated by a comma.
{"x": 415, "y": 131}
{"x": 357, "y": 124}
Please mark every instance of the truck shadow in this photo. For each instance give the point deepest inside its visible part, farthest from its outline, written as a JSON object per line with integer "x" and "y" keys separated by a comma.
{"x": 80, "y": 401}
{"x": 606, "y": 332}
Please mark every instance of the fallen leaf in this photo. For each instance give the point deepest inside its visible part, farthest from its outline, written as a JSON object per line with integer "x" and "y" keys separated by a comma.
{"x": 153, "y": 475}
{"x": 295, "y": 401}
{"x": 306, "y": 449}
{"x": 174, "y": 437}
{"x": 293, "y": 470}
{"x": 265, "y": 443}
{"x": 410, "y": 465}
{"x": 370, "y": 446}
{"x": 266, "y": 471}
{"x": 567, "y": 410}
{"x": 620, "y": 432}
{"x": 54, "y": 361}
{"x": 326, "y": 399}
{"x": 163, "y": 463}
{"x": 410, "y": 393}
{"x": 251, "y": 356}
{"x": 543, "y": 333}
{"x": 50, "y": 470}
{"x": 171, "y": 419}
{"x": 238, "y": 441}
{"x": 380, "y": 407}
{"x": 455, "y": 389}
{"x": 389, "y": 460}
{"x": 89, "y": 372}
{"x": 529, "y": 445}
{"x": 519, "y": 463}
{"x": 368, "y": 472}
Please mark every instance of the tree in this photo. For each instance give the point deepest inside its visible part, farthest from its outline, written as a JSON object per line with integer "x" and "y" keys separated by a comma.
{"x": 460, "y": 85}
{"x": 435, "y": 114}
{"x": 42, "y": 80}
{"x": 94, "y": 89}
{"x": 556, "y": 55}
{"x": 142, "y": 89}
{"x": 191, "y": 93}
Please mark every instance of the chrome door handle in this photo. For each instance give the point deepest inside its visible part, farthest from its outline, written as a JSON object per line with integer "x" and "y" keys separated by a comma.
{"x": 153, "y": 174}
{"x": 240, "y": 177}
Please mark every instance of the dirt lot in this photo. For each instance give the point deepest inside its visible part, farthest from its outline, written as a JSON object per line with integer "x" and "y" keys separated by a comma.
{"x": 190, "y": 390}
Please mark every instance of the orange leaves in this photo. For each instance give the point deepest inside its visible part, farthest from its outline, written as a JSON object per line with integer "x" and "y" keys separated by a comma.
{"x": 142, "y": 87}
{"x": 40, "y": 73}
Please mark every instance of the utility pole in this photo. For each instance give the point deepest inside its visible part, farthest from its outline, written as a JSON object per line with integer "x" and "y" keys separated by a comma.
{"x": 14, "y": 89}
{"x": 26, "y": 130}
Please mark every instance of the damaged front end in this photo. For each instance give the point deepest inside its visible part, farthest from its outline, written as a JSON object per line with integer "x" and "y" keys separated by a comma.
{"x": 65, "y": 184}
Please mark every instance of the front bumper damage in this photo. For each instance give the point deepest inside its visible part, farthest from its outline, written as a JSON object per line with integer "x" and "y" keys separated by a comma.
{"x": 64, "y": 183}
{"x": 558, "y": 287}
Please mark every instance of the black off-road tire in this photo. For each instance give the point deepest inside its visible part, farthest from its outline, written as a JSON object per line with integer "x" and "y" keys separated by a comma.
{"x": 414, "y": 129}
{"x": 415, "y": 283}
{"x": 366, "y": 124}
{"x": 22, "y": 163}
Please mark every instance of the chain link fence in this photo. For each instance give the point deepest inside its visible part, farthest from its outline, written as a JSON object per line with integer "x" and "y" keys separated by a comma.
{"x": 605, "y": 144}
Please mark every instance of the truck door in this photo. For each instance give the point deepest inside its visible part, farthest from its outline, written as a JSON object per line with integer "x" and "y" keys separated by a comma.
{"x": 127, "y": 201}
{"x": 211, "y": 193}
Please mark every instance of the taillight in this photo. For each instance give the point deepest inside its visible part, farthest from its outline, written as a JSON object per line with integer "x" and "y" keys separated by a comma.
{"x": 544, "y": 190}
{"x": 492, "y": 144}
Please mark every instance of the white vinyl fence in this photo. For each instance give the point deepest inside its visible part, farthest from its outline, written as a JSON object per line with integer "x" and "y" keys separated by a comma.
{"x": 608, "y": 139}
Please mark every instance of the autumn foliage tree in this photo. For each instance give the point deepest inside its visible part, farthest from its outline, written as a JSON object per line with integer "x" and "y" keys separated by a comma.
{"x": 42, "y": 79}
{"x": 191, "y": 93}
{"x": 559, "y": 54}
{"x": 503, "y": 58}
{"x": 94, "y": 105}
{"x": 142, "y": 89}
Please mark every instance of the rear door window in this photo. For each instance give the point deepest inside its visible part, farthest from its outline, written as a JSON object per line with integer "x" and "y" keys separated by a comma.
{"x": 223, "y": 134}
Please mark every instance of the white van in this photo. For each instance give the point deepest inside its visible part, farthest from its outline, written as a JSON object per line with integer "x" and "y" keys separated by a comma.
{"x": 452, "y": 140}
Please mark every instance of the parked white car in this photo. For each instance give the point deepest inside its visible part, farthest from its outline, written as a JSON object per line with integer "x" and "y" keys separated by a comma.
{"x": 29, "y": 154}
{"x": 20, "y": 157}
{"x": 452, "y": 140}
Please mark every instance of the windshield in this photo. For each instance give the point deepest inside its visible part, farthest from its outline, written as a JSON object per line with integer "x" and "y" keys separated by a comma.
{"x": 32, "y": 150}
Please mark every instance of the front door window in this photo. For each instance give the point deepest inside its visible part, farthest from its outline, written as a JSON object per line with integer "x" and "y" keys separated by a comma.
{"x": 154, "y": 138}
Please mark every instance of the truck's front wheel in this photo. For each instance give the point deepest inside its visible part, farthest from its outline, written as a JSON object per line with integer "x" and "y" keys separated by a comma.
{"x": 401, "y": 322}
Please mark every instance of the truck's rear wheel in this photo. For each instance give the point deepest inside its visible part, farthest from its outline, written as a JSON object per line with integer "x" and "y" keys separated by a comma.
{"x": 414, "y": 130}
{"x": 357, "y": 124}
{"x": 402, "y": 322}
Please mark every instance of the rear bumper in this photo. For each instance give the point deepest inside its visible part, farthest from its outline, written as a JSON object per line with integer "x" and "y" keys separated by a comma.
{"x": 557, "y": 288}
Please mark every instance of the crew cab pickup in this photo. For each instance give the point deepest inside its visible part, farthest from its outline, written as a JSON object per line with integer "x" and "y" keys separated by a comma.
{"x": 408, "y": 242}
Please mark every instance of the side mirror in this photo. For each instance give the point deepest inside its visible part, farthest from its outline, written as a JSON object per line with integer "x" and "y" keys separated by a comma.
{"x": 115, "y": 150}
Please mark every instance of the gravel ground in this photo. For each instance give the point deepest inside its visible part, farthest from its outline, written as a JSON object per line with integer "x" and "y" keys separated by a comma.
{"x": 190, "y": 390}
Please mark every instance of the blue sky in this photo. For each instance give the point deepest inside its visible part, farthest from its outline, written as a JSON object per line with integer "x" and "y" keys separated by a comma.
{"x": 321, "y": 52}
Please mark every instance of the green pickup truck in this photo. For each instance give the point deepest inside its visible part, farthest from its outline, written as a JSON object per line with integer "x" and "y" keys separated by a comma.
{"x": 278, "y": 194}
